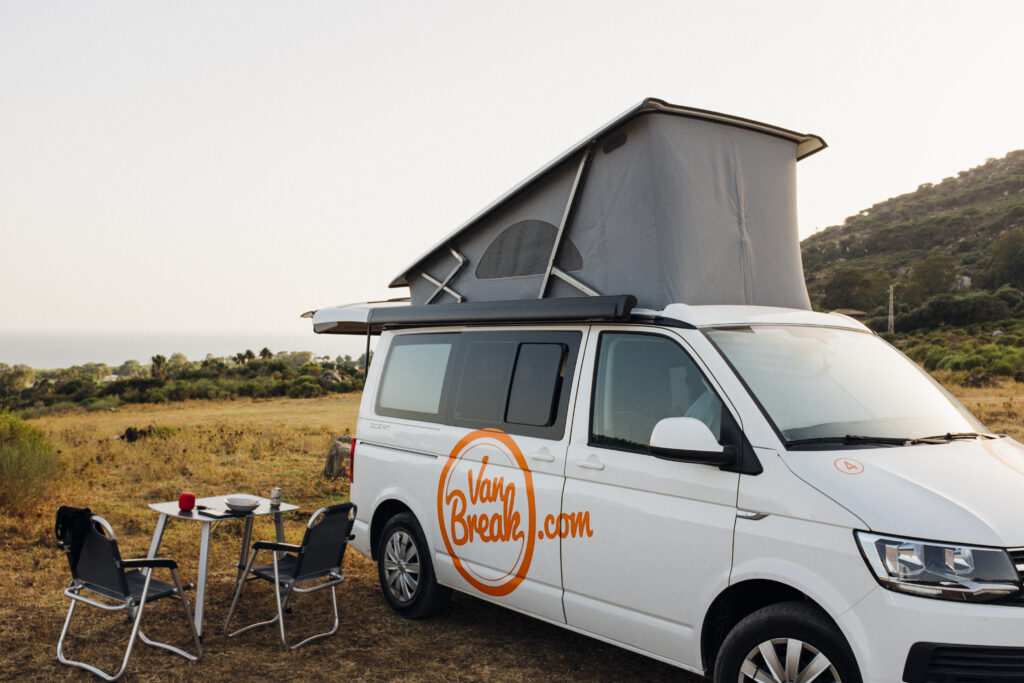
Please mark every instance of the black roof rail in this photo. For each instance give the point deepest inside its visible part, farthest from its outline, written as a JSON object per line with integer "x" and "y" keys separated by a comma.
{"x": 572, "y": 309}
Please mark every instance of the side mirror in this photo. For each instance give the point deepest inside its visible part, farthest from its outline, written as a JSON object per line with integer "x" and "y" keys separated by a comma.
{"x": 688, "y": 439}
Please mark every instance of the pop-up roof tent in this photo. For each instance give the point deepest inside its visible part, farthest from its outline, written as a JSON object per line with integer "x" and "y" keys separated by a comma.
{"x": 666, "y": 203}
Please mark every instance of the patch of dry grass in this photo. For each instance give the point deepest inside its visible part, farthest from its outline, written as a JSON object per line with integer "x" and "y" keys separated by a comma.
{"x": 999, "y": 407}
{"x": 249, "y": 446}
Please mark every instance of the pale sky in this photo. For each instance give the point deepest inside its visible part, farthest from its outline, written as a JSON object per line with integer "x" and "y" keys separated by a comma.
{"x": 224, "y": 166}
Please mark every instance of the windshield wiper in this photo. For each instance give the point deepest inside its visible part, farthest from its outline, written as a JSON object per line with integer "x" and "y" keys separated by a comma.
{"x": 952, "y": 436}
{"x": 851, "y": 439}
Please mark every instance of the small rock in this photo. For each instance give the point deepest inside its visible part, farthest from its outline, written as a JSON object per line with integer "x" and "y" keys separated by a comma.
{"x": 341, "y": 447}
{"x": 328, "y": 377}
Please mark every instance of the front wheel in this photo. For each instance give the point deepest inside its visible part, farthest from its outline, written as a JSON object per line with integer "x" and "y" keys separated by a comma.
{"x": 790, "y": 642}
{"x": 405, "y": 572}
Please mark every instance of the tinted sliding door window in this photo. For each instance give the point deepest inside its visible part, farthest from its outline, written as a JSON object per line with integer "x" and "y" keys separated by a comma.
{"x": 641, "y": 379}
{"x": 517, "y": 382}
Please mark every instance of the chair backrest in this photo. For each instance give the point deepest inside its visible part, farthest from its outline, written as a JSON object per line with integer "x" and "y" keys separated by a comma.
{"x": 98, "y": 565}
{"x": 323, "y": 545}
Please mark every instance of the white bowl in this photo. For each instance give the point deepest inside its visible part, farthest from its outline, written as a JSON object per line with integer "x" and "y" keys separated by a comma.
{"x": 240, "y": 504}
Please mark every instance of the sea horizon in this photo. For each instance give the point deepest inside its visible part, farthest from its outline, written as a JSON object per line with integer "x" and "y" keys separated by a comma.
{"x": 50, "y": 349}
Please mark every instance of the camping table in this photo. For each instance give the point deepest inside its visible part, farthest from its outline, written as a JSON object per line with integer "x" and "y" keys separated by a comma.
{"x": 217, "y": 506}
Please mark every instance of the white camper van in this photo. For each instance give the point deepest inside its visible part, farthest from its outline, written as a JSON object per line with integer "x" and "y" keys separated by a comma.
{"x": 751, "y": 492}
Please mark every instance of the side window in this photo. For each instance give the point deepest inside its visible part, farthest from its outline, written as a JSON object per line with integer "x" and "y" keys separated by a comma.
{"x": 483, "y": 383}
{"x": 641, "y": 379}
{"x": 414, "y": 375}
{"x": 538, "y": 378}
{"x": 515, "y": 381}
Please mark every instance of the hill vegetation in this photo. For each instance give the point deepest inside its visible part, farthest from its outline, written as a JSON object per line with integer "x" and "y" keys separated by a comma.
{"x": 97, "y": 386}
{"x": 954, "y": 254}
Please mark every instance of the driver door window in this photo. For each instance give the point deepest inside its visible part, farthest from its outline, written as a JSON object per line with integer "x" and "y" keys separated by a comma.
{"x": 641, "y": 379}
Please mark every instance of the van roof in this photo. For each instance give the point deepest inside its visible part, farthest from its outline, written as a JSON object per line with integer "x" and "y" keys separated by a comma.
{"x": 374, "y": 317}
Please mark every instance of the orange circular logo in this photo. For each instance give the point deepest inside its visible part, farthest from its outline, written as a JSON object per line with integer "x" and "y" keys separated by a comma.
{"x": 848, "y": 466}
{"x": 485, "y": 500}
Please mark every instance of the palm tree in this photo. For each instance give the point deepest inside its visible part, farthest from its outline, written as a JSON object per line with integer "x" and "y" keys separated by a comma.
{"x": 266, "y": 353}
{"x": 158, "y": 369}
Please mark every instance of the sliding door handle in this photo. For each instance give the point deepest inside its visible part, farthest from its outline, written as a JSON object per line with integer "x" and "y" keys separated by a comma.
{"x": 591, "y": 462}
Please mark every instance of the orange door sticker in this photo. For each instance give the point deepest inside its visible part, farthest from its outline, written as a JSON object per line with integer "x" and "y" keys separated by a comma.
{"x": 848, "y": 466}
{"x": 485, "y": 501}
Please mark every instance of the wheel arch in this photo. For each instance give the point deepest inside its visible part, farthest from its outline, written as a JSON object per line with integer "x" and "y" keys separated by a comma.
{"x": 735, "y": 603}
{"x": 382, "y": 513}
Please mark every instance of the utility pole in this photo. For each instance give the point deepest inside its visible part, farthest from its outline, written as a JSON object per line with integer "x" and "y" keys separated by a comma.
{"x": 891, "y": 321}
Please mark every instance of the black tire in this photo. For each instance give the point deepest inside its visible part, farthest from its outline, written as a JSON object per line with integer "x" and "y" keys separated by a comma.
{"x": 799, "y": 621}
{"x": 405, "y": 571}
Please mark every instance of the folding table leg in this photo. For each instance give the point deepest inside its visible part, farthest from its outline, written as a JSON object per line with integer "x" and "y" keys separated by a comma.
{"x": 204, "y": 560}
{"x": 246, "y": 538}
{"x": 158, "y": 534}
{"x": 279, "y": 527}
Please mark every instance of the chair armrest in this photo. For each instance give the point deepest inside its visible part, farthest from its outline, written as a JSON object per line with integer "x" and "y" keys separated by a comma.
{"x": 280, "y": 547}
{"x": 161, "y": 562}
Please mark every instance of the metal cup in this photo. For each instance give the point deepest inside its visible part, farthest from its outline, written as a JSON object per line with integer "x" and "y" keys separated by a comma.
{"x": 275, "y": 496}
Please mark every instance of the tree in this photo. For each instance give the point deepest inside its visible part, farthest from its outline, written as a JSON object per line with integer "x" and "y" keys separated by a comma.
{"x": 249, "y": 355}
{"x": 158, "y": 368}
{"x": 13, "y": 380}
{"x": 1006, "y": 260}
{"x": 936, "y": 274}
{"x": 130, "y": 368}
{"x": 266, "y": 354}
{"x": 177, "y": 364}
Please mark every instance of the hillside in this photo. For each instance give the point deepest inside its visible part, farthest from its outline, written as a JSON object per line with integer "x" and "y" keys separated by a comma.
{"x": 953, "y": 239}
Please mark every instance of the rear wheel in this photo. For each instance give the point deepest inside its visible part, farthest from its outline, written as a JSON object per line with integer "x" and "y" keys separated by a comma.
{"x": 789, "y": 642}
{"x": 405, "y": 571}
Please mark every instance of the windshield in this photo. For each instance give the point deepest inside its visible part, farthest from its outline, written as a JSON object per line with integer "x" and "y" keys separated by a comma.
{"x": 828, "y": 383}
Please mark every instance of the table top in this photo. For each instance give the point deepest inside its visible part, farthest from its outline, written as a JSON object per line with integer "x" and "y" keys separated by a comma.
{"x": 217, "y": 505}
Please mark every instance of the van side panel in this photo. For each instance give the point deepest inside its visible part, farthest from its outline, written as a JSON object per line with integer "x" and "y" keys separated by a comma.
{"x": 480, "y": 493}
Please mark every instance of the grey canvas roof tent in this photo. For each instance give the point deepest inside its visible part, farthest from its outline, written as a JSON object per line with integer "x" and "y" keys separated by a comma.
{"x": 666, "y": 203}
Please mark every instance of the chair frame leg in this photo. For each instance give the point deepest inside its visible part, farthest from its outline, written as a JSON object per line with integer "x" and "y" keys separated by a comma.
{"x": 137, "y": 608}
{"x": 282, "y": 598}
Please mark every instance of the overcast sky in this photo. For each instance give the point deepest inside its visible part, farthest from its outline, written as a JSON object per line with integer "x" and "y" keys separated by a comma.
{"x": 224, "y": 166}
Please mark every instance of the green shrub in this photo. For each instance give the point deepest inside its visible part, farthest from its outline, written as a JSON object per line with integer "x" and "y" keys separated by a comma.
{"x": 95, "y": 403}
{"x": 164, "y": 431}
{"x": 305, "y": 387}
{"x": 27, "y": 462}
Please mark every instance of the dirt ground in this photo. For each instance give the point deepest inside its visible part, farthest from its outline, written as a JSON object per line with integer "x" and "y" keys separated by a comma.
{"x": 248, "y": 447}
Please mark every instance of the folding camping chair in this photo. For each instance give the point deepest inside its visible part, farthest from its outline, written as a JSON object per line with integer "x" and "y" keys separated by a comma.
{"x": 97, "y": 567}
{"x": 319, "y": 556}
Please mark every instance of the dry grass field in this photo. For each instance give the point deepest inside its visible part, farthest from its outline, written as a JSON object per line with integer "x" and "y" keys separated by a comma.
{"x": 249, "y": 446}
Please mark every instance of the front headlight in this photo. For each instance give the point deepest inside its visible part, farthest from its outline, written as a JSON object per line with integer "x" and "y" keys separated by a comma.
{"x": 939, "y": 570}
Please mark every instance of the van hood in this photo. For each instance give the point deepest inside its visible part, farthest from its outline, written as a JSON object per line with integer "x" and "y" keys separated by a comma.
{"x": 960, "y": 492}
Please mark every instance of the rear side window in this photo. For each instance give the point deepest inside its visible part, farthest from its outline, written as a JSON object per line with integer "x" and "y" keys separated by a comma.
{"x": 539, "y": 373}
{"x": 517, "y": 382}
{"x": 483, "y": 382}
{"x": 413, "y": 381}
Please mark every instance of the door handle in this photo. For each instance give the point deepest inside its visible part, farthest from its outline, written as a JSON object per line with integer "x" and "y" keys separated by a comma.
{"x": 542, "y": 456}
{"x": 590, "y": 463}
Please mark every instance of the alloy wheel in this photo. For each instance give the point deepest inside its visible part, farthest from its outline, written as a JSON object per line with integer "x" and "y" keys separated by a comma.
{"x": 401, "y": 566}
{"x": 787, "y": 660}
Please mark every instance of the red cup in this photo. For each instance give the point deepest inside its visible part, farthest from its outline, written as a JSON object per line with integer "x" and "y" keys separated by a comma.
{"x": 186, "y": 501}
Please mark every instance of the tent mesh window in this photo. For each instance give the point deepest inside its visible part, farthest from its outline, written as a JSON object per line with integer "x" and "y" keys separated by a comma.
{"x": 524, "y": 249}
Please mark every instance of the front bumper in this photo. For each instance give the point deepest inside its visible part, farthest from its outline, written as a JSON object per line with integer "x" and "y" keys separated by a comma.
{"x": 884, "y": 627}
